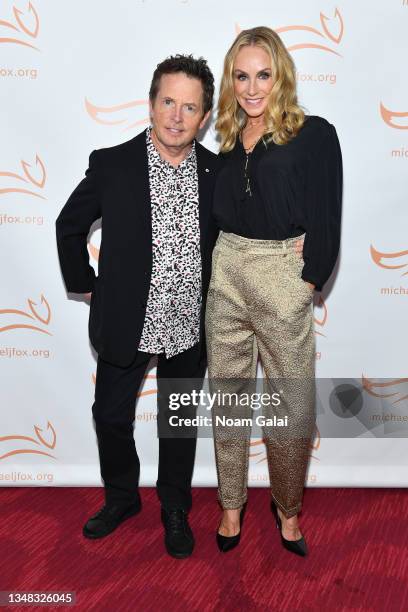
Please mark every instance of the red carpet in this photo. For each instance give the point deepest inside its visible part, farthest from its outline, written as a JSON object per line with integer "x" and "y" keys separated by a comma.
{"x": 358, "y": 542}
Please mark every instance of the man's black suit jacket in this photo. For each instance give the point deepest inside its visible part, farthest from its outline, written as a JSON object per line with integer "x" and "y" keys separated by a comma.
{"x": 116, "y": 188}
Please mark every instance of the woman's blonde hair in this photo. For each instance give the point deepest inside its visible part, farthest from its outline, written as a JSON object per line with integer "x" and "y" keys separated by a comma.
{"x": 283, "y": 115}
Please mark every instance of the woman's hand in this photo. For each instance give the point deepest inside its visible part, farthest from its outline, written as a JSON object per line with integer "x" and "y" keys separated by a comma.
{"x": 299, "y": 252}
{"x": 299, "y": 247}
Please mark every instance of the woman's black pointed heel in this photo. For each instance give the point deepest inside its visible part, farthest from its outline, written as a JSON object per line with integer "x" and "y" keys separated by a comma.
{"x": 296, "y": 546}
{"x": 226, "y": 543}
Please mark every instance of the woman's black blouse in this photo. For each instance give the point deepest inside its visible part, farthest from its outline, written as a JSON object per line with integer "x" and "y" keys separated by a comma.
{"x": 295, "y": 188}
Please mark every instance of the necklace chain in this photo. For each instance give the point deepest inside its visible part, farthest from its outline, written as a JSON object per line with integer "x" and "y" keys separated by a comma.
{"x": 246, "y": 175}
{"x": 248, "y": 151}
{"x": 252, "y": 145}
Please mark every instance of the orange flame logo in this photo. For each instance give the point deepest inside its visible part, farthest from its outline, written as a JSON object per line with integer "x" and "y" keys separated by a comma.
{"x": 28, "y": 178}
{"x": 21, "y": 28}
{"x": 315, "y": 444}
{"x": 148, "y": 391}
{"x": 259, "y": 453}
{"x": 93, "y": 251}
{"x": 388, "y": 115}
{"x": 39, "y": 440}
{"x": 33, "y": 316}
{"x": 119, "y": 114}
{"x": 327, "y": 26}
{"x": 322, "y": 321}
{"x": 377, "y": 256}
{"x": 369, "y": 385}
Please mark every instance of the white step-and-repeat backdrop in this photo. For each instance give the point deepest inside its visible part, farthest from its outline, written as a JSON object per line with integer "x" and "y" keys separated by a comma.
{"x": 74, "y": 76}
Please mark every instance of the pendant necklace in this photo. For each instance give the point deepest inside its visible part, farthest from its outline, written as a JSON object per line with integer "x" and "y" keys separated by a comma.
{"x": 248, "y": 186}
{"x": 248, "y": 151}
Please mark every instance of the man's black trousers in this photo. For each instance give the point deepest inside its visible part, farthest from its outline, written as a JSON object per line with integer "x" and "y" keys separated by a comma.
{"x": 114, "y": 414}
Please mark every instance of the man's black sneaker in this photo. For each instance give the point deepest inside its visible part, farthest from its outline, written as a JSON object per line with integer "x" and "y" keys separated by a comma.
{"x": 107, "y": 519}
{"x": 178, "y": 539}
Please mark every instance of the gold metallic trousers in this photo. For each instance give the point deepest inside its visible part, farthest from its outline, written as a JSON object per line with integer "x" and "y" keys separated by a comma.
{"x": 258, "y": 304}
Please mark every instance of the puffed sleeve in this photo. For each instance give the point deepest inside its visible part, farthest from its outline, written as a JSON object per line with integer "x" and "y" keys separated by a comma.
{"x": 323, "y": 204}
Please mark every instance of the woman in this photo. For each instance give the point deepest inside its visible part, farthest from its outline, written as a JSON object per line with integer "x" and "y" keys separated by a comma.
{"x": 281, "y": 182}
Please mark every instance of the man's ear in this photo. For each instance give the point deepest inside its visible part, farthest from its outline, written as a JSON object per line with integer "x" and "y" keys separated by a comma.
{"x": 150, "y": 108}
{"x": 204, "y": 119}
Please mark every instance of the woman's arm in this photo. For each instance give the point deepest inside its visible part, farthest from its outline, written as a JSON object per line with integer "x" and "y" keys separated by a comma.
{"x": 324, "y": 203}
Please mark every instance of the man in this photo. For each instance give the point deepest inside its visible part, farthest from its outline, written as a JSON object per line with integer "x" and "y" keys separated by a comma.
{"x": 154, "y": 194}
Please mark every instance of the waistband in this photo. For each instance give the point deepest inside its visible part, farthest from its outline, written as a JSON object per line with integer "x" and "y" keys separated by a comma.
{"x": 253, "y": 244}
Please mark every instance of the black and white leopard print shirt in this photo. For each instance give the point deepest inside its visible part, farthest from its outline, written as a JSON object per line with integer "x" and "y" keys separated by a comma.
{"x": 172, "y": 321}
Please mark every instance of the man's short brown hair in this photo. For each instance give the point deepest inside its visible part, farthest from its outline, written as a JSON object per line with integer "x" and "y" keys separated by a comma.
{"x": 193, "y": 68}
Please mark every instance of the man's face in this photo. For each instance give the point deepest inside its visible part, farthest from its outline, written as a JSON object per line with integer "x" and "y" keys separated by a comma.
{"x": 177, "y": 112}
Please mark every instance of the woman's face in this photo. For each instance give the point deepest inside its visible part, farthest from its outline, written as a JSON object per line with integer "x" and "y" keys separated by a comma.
{"x": 252, "y": 74}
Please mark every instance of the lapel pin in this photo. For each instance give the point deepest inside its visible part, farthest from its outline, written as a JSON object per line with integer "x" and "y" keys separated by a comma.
{"x": 207, "y": 170}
